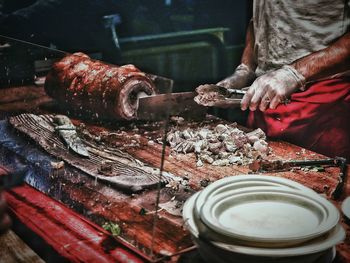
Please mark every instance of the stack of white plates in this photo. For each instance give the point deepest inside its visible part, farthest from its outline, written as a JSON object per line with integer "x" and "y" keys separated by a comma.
{"x": 256, "y": 218}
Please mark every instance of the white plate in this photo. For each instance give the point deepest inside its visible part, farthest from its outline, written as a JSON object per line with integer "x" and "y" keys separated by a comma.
{"x": 212, "y": 253}
{"x": 258, "y": 243}
{"x": 345, "y": 207}
{"x": 316, "y": 245}
{"x": 269, "y": 215}
{"x": 187, "y": 214}
{"x": 240, "y": 181}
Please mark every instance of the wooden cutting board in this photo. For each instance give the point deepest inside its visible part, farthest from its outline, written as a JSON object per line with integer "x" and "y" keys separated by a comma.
{"x": 127, "y": 173}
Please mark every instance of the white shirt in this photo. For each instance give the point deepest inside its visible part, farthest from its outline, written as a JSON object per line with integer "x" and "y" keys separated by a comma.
{"x": 286, "y": 30}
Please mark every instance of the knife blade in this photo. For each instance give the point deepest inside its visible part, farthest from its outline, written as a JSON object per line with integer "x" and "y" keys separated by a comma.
{"x": 158, "y": 107}
{"x": 68, "y": 133}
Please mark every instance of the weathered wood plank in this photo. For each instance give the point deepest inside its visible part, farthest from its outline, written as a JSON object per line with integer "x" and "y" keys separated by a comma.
{"x": 96, "y": 200}
{"x": 184, "y": 165}
{"x": 17, "y": 94}
{"x": 14, "y": 250}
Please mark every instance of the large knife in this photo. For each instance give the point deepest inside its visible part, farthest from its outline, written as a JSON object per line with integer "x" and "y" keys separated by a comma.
{"x": 68, "y": 133}
{"x": 158, "y": 107}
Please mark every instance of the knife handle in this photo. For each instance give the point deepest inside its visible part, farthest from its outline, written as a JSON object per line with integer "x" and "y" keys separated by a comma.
{"x": 62, "y": 120}
{"x": 236, "y": 91}
{"x": 65, "y": 127}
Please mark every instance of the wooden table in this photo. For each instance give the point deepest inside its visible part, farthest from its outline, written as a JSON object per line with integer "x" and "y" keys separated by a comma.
{"x": 14, "y": 250}
{"x": 126, "y": 209}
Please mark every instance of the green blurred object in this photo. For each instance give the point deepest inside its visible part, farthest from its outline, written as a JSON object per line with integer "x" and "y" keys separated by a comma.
{"x": 113, "y": 228}
{"x": 143, "y": 211}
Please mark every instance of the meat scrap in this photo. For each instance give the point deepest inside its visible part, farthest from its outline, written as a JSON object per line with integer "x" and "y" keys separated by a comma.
{"x": 108, "y": 91}
{"x": 207, "y": 96}
{"x": 224, "y": 145}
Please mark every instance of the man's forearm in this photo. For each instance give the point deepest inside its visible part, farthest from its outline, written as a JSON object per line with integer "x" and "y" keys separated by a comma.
{"x": 244, "y": 74}
{"x": 248, "y": 53}
{"x": 326, "y": 62}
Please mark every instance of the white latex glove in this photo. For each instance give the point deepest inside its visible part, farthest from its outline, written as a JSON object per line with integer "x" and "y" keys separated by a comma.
{"x": 242, "y": 77}
{"x": 272, "y": 89}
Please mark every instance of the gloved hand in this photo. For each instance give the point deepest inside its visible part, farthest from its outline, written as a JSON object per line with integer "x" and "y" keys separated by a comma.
{"x": 272, "y": 88}
{"x": 5, "y": 221}
{"x": 242, "y": 77}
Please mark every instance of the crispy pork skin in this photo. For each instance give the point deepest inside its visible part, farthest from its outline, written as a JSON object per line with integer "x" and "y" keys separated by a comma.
{"x": 104, "y": 90}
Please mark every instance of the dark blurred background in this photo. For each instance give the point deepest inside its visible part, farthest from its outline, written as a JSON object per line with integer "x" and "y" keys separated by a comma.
{"x": 190, "y": 41}
{"x": 69, "y": 22}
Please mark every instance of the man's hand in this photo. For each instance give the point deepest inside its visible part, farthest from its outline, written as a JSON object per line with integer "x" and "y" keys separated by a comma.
{"x": 5, "y": 221}
{"x": 242, "y": 77}
{"x": 273, "y": 88}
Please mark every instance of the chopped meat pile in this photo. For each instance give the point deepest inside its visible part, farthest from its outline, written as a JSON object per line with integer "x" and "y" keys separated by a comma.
{"x": 221, "y": 146}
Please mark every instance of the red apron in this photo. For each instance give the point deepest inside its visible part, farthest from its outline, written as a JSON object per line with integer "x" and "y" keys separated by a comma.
{"x": 317, "y": 119}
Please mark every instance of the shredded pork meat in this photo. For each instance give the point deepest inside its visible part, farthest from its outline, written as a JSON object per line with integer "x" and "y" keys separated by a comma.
{"x": 221, "y": 146}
